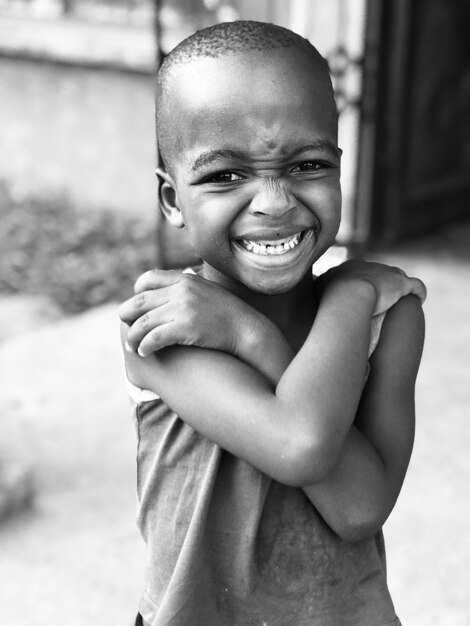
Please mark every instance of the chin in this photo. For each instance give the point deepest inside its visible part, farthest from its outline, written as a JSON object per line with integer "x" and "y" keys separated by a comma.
{"x": 272, "y": 286}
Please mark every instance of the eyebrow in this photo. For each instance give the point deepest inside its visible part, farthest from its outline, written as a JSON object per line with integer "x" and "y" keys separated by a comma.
{"x": 211, "y": 156}
{"x": 322, "y": 144}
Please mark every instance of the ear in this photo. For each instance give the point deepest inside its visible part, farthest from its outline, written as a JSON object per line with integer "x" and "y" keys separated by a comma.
{"x": 168, "y": 198}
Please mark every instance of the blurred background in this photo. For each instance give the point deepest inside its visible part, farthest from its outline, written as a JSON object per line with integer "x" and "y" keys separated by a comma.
{"x": 79, "y": 222}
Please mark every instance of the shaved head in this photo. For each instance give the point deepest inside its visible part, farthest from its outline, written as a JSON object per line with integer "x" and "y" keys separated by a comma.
{"x": 223, "y": 40}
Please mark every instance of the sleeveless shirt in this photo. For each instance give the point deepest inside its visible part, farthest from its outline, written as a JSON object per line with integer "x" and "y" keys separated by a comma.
{"x": 229, "y": 546}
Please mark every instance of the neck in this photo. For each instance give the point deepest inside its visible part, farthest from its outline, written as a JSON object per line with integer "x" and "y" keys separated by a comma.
{"x": 292, "y": 312}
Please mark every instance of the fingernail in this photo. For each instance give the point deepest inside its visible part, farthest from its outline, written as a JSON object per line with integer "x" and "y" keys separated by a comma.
{"x": 141, "y": 353}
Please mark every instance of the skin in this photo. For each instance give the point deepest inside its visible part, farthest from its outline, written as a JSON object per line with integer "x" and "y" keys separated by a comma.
{"x": 305, "y": 418}
{"x": 278, "y": 187}
{"x": 357, "y": 496}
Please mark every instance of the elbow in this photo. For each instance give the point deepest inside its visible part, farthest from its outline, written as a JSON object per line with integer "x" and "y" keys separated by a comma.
{"x": 357, "y": 525}
{"x": 305, "y": 462}
{"x": 355, "y": 532}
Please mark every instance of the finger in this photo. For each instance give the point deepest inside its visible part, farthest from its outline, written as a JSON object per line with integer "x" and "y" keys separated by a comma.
{"x": 160, "y": 337}
{"x": 156, "y": 278}
{"x": 400, "y": 271}
{"x": 419, "y": 289}
{"x": 146, "y": 324}
{"x": 142, "y": 303}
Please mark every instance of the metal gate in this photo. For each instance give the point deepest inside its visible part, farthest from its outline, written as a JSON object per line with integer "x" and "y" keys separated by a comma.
{"x": 415, "y": 128}
{"x": 401, "y": 72}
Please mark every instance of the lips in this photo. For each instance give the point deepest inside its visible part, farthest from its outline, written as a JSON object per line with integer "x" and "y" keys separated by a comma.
{"x": 268, "y": 247}
{"x": 265, "y": 249}
{"x": 265, "y": 244}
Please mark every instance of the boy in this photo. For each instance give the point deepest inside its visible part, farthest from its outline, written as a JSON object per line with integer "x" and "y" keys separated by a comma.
{"x": 263, "y": 489}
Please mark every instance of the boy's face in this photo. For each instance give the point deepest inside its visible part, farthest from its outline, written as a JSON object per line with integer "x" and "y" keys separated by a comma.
{"x": 255, "y": 166}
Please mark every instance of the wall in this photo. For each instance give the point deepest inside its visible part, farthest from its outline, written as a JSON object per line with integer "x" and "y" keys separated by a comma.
{"x": 84, "y": 132}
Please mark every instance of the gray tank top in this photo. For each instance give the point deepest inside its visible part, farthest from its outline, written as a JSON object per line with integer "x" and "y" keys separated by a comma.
{"x": 229, "y": 546}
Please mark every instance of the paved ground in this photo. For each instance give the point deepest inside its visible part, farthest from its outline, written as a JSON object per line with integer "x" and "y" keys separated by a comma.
{"x": 76, "y": 557}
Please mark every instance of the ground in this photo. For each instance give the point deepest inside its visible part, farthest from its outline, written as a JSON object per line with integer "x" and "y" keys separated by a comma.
{"x": 76, "y": 556}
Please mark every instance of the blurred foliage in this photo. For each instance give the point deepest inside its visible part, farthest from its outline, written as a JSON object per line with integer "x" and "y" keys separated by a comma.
{"x": 78, "y": 258}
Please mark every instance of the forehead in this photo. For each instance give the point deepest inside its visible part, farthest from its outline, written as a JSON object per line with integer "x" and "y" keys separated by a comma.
{"x": 257, "y": 102}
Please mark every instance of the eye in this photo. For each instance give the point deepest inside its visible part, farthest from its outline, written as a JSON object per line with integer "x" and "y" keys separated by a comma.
{"x": 223, "y": 177}
{"x": 309, "y": 166}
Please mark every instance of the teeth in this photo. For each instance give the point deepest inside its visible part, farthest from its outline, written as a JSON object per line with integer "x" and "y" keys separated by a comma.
{"x": 280, "y": 246}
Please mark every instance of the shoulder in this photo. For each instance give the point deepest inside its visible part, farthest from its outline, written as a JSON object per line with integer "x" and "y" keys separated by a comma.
{"x": 141, "y": 372}
{"x": 181, "y": 373}
{"x": 406, "y": 319}
{"x": 401, "y": 340}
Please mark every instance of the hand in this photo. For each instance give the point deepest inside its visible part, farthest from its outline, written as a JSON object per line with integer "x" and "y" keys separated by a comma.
{"x": 390, "y": 283}
{"x": 171, "y": 307}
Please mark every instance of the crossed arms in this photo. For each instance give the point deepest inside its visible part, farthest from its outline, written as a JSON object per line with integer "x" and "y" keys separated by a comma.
{"x": 305, "y": 419}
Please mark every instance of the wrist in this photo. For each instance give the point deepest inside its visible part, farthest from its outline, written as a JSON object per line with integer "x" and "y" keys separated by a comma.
{"x": 353, "y": 287}
{"x": 250, "y": 331}
{"x": 262, "y": 345}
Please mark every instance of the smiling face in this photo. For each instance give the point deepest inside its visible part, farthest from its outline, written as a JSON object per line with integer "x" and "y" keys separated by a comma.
{"x": 255, "y": 166}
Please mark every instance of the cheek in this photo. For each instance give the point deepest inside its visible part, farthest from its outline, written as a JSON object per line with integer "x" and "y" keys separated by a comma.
{"x": 330, "y": 197}
{"x": 333, "y": 207}
{"x": 324, "y": 200}
{"x": 208, "y": 227}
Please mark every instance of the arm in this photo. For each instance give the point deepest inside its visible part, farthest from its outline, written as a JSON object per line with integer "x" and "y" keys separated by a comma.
{"x": 175, "y": 308}
{"x": 358, "y": 495}
{"x": 294, "y": 431}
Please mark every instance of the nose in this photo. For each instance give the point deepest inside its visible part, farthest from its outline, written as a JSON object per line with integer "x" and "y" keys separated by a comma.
{"x": 272, "y": 198}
